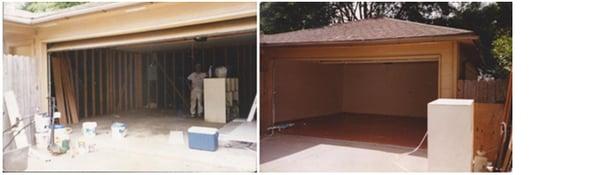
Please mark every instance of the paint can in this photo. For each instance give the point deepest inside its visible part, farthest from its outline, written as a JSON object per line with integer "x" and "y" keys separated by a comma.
{"x": 221, "y": 72}
{"x": 89, "y": 129}
{"x": 42, "y": 139}
{"x": 82, "y": 146}
{"x": 62, "y": 137}
{"x": 42, "y": 123}
{"x": 119, "y": 130}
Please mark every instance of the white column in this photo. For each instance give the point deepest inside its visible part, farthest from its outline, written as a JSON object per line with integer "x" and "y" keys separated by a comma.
{"x": 450, "y": 135}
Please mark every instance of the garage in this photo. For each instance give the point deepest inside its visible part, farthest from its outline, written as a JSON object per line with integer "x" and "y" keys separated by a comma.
{"x": 124, "y": 67}
{"x": 346, "y": 89}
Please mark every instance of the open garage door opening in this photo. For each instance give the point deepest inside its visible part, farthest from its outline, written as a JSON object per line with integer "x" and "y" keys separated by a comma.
{"x": 152, "y": 76}
{"x": 382, "y": 102}
{"x": 146, "y": 87}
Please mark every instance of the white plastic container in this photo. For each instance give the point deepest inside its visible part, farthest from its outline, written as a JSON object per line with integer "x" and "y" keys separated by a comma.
{"x": 89, "y": 129}
{"x": 42, "y": 140}
{"x": 119, "y": 130}
{"x": 221, "y": 72}
{"x": 42, "y": 123}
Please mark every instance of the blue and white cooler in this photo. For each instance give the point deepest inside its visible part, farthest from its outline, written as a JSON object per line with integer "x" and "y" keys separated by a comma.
{"x": 203, "y": 138}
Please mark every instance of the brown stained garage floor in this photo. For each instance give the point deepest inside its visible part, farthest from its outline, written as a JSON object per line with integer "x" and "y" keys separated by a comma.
{"x": 381, "y": 129}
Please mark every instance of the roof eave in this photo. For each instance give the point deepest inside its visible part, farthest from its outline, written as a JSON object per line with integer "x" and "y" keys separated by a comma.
{"x": 466, "y": 36}
{"x": 67, "y": 14}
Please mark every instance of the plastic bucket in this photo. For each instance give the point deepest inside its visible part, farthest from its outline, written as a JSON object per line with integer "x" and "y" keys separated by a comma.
{"x": 89, "y": 129}
{"x": 42, "y": 139}
{"x": 42, "y": 123}
{"x": 62, "y": 137}
{"x": 119, "y": 130}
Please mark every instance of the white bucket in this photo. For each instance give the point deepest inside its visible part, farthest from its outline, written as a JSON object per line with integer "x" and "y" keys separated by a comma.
{"x": 221, "y": 72}
{"x": 119, "y": 130}
{"x": 89, "y": 129}
{"x": 42, "y": 123}
{"x": 42, "y": 139}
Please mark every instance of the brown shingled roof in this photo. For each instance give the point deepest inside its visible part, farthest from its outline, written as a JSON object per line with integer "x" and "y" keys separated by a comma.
{"x": 376, "y": 29}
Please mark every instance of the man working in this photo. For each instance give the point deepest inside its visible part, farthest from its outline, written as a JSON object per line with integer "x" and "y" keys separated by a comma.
{"x": 197, "y": 86}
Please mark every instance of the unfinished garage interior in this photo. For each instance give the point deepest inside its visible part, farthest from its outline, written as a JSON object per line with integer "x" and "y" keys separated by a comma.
{"x": 347, "y": 97}
{"x": 126, "y": 65}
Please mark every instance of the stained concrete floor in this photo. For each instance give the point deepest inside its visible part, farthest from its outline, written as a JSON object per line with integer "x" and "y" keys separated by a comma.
{"x": 145, "y": 148}
{"x": 382, "y": 129}
{"x": 301, "y": 153}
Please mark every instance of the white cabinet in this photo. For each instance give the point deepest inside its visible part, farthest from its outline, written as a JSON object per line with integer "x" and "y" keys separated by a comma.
{"x": 220, "y": 99}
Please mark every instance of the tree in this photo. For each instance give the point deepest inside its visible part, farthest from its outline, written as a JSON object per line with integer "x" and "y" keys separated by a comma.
{"x": 276, "y": 17}
{"x": 37, "y": 7}
{"x": 502, "y": 51}
{"x": 437, "y": 13}
{"x": 352, "y": 11}
{"x": 488, "y": 21}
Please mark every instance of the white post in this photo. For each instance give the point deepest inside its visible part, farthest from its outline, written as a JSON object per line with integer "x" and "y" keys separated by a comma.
{"x": 450, "y": 140}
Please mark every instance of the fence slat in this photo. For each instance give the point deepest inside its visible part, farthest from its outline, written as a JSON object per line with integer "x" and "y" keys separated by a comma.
{"x": 20, "y": 76}
{"x": 492, "y": 91}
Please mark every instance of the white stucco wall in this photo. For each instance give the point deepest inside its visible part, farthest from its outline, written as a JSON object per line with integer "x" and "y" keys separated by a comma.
{"x": 450, "y": 135}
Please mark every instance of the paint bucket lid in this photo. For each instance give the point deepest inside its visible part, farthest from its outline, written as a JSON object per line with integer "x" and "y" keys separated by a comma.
{"x": 89, "y": 124}
{"x": 118, "y": 125}
{"x": 58, "y": 126}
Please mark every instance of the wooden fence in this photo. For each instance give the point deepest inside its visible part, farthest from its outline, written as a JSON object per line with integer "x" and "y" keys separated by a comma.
{"x": 20, "y": 77}
{"x": 487, "y": 136}
{"x": 493, "y": 91}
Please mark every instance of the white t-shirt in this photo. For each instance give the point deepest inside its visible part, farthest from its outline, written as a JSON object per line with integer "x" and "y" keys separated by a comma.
{"x": 197, "y": 79}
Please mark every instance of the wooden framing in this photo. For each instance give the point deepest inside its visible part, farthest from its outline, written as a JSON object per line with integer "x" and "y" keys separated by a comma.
{"x": 94, "y": 82}
{"x": 101, "y": 67}
{"x": 138, "y": 81}
{"x": 85, "y": 84}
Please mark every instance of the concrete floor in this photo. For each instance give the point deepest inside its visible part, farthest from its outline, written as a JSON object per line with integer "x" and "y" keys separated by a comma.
{"x": 301, "y": 153}
{"x": 145, "y": 148}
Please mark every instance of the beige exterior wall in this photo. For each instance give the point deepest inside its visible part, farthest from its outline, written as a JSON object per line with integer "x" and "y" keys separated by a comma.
{"x": 125, "y": 21}
{"x": 18, "y": 39}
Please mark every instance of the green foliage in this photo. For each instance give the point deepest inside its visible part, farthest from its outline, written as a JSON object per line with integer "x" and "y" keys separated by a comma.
{"x": 502, "y": 51}
{"x": 487, "y": 22}
{"x": 276, "y": 17}
{"x": 37, "y": 7}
